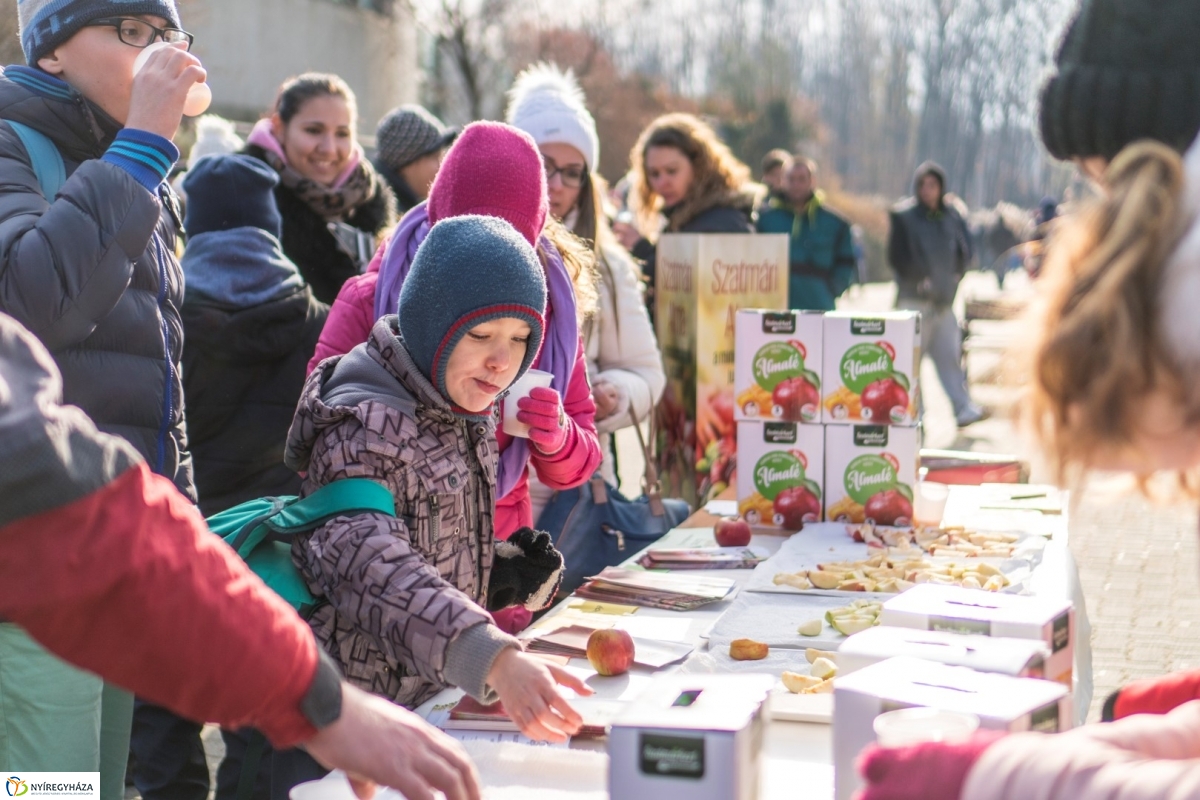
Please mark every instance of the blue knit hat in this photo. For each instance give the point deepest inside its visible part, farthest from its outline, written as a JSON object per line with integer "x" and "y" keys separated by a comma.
{"x": 45, "y": 24}
{"x": 231, "y": 191}
{"x": 469, "y": 270}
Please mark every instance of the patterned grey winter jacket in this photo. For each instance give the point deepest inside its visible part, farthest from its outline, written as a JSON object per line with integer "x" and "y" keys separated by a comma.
{"x": 404, "y": 616}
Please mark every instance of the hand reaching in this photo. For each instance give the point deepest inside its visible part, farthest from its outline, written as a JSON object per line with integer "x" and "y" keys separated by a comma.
{"x": 526, "y": 686}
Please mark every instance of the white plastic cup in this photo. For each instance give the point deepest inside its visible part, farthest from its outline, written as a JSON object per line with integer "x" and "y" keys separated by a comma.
{"x": 929, "y": 502}
{"x": 916, "y": 725}
{"x": 332, "y": 787}
{"x": 199, "y": 96}
{"x": 533, "y": 379}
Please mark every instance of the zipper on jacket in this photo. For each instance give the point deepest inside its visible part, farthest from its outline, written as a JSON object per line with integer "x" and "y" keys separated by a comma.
{"x": 169, "y": 385}
{"x": 435, "y": 522}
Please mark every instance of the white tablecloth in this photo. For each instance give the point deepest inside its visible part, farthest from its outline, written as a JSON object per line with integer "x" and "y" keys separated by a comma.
{"x": 800, "y": 754}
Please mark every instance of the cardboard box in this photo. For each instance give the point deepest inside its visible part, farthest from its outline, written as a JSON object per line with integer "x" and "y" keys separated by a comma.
{"x": 700, "y": 282}
{"x": 1018, "y": 658}
{"x": 780, "y": 476}
{"x": 1050, "y": 621}
{"x": 871, "y": 367}
{"x": 691, "y": 737}
{"x": 777, "y": 365}
{"x": 870, "y": 472}
{"x": 1001, "y": 703}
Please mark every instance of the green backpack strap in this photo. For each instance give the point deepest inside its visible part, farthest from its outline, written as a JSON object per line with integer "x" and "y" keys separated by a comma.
{"x": 344, "y": 497}
{"x": 47, "y": 162}
{"x": 286, "y": 516}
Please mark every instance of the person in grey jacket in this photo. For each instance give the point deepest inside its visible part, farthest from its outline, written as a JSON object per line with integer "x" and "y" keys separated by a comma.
{"x": 413, "y": 408}
{"x": 930, "y": 250}
{"x": 91, "y": 271}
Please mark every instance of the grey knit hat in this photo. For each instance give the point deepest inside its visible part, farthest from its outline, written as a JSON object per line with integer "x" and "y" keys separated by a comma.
{"x": 408, "y": 133}
{"x": 469, "y": 270}
{"x": 1126, "y": 70}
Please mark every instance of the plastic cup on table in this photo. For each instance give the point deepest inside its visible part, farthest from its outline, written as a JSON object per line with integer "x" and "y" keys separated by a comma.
{"x": 533, "y": 379}
{"x": 910, "y": 726}
{"x": 929, "y": 502}
{"x": 199, "y": 97}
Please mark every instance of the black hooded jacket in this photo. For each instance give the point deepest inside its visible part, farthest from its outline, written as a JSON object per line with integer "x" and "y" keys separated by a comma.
{"x": 930, "y": 249}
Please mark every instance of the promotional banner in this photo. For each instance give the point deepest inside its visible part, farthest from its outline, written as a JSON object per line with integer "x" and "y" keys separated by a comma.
{"x": 701, "y": 282}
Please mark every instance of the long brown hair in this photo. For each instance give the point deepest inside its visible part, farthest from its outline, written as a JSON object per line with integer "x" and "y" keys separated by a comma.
{"x": 580, "y": 261}
{"x": 717, "y": 176}
{"x": 1095, "y": 349}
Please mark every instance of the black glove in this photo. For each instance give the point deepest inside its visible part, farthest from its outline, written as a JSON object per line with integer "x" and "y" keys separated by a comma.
{"x": 527, "y": 572}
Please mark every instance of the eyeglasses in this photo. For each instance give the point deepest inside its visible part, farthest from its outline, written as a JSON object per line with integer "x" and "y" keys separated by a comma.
{"x": 139, "y": 33}
{"x": 572, "y": 175}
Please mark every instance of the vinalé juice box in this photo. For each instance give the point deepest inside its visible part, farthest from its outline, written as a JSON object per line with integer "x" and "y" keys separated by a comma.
{"x": 870, "y": 368}
{"x": 781, "y": 469}
{"x": 777, "y": 365}
{"x": 870, "y": 472}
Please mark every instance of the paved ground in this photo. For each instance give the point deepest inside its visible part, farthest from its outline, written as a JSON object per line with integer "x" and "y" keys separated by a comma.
{"x": 1138, "y": 560}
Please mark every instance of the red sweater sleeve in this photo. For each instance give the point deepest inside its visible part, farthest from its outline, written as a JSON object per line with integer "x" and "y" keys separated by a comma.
{"x": 1157, "y": 695}
{"x": 129, "y": 583}
{"x": 351, "y": 318}
{"x": 579, "y": 459}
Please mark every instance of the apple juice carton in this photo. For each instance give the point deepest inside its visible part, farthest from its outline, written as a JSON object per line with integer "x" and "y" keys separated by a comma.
{"x": 700, "y": 282}
{"x": 781, "y": 466}
{"x": 772, "y": 377}
{"x": 870, "y": 368}
{"x": 870, "y": 471}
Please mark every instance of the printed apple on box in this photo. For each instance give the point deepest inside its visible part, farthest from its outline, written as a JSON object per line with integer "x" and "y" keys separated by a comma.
{"x": 777, "y": 365}
{"x": 780, "y": 470}
{"x": 870, "y": 471}
{"x": 870, "y": 368}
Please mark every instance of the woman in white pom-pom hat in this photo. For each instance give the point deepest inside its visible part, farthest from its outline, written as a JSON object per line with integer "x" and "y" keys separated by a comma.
{"x": 624, "y": 363}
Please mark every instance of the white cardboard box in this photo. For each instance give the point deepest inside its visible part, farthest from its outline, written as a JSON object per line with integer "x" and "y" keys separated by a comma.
{"x": 781, "y": 474}
{"x": 1001, "y": 703}
{"x": 777, "y": 365}
{"x": 1018, "y": 658}
{"x": 691, "y": 737}
{"x": 1050, "y": 621}
{"x": 870, "y": 472}
{"x": 870, "y": 368}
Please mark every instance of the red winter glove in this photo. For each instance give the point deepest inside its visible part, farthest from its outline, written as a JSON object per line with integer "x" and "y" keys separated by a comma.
{"x": 543, "y": 412}
{"x": 1152, "y": 696}
{"x": 926, "y": 771}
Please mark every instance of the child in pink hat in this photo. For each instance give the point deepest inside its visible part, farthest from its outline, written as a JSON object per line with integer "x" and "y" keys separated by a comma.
{"x": 494, "y": 169}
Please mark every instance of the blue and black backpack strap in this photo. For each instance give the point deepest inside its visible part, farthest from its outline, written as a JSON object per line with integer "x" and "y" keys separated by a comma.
{"x": 47, "y": 162}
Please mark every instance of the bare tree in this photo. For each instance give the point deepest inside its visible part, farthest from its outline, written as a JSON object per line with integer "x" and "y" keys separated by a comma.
{"x": 10, "y": 43}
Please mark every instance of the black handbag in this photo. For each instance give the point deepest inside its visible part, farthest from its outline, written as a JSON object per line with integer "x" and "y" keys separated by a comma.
{"x": 595, "y": 526}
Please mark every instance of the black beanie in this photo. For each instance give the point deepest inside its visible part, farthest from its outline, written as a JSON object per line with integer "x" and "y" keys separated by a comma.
{"x": 1126, "y": 70}
{"x": 231, "y": 191}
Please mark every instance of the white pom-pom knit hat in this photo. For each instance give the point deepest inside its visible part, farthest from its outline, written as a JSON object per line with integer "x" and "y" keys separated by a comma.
{"x": 548, "y": 104}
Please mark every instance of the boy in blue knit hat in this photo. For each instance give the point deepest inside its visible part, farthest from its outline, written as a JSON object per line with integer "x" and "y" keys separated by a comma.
{"x": 87, "y": 253}
{"x": 414, "y": 409}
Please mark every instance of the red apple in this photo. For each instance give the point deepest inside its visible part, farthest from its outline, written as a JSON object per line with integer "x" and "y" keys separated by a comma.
{"x": 793, "y": 394}
{"x": 732, "y": 532}
{"x": 881, "y": 397}
{"x": 797, "y": 506}
{"x": 610, "y": 651}
{"x": 889, "y": 508}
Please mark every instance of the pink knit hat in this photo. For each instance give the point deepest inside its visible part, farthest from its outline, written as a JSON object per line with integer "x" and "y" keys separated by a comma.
{"x": 492, "y": 170}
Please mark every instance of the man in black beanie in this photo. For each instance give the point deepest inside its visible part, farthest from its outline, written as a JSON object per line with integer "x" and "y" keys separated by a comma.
{"x": 1125, "y": 70}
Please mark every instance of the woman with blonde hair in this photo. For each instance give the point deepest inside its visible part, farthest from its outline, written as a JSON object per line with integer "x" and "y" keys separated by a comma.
{"x": 686, "y": 180}
{"x": 1112, "y": 382}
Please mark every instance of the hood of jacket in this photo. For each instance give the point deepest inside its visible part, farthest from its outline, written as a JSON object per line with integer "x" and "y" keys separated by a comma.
{"x": 745, "y": 199}
{"x": 79, "y": 127}
{"x": 238, "y": 268}
{"x": 929, "y": 168}
{"x": 379, "y": 370}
